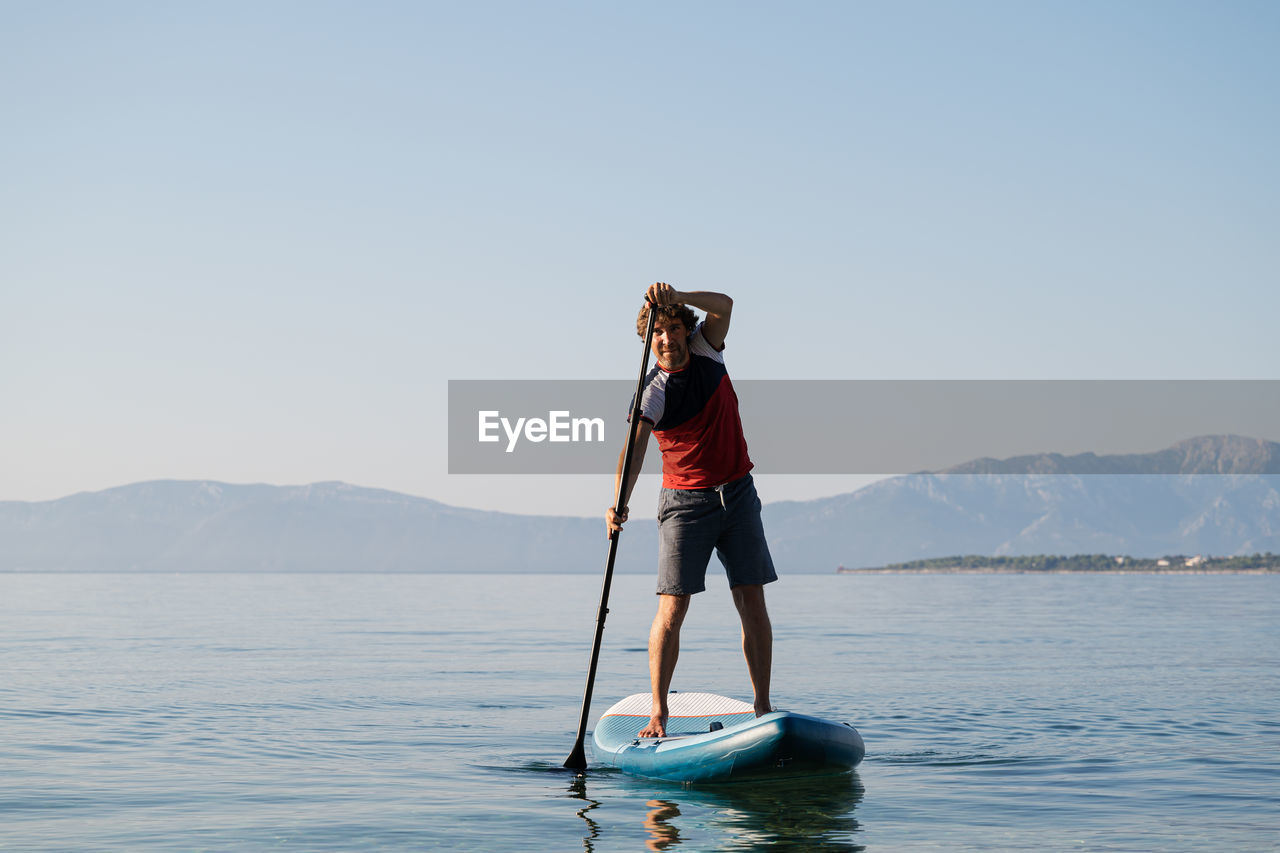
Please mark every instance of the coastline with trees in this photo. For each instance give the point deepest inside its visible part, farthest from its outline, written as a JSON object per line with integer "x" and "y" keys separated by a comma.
{"x": 1264, "y": 563}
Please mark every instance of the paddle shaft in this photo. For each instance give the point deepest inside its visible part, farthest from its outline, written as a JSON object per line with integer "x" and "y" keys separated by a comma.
{"x": 577, "y": 759}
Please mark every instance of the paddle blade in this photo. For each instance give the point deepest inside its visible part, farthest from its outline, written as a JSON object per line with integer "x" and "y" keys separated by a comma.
{"x": 577, "y": 759}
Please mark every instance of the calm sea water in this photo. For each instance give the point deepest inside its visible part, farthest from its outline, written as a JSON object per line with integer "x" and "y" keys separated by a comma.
{"x": 224, "y": 712}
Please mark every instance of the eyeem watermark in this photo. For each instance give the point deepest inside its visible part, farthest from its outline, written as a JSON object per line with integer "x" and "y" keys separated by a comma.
{"x": 859, "y": 426}
{"x": 559, "y": 426}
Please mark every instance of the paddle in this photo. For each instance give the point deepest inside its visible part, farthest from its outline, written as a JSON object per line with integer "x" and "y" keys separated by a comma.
{"x": 577, "y": 759}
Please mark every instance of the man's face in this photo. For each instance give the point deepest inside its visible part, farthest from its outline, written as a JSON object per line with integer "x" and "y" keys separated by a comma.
{"x": 670, "y": 342}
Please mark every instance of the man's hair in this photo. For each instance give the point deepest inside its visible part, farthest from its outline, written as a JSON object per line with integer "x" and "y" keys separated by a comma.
{"x": 679, "y": 311}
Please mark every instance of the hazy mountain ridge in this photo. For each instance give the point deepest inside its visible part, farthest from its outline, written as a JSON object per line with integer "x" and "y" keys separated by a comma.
{"x": 1212, "y": 495}
{"x": 928, "y": 515}
{"x": 1213, "y": 454}
{"x": 209, "y": 526}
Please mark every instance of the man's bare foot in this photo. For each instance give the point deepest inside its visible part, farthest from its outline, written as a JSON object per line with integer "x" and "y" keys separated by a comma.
{"x": 763, "y": 708}
{"x": 657, "y": 727}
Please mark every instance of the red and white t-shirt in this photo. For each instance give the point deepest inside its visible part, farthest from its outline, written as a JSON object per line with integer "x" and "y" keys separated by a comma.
{"x": 694, "y": 414}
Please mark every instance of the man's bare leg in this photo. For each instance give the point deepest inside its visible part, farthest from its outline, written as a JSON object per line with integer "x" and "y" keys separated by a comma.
{"x": 664, "y": 648}
{"x": 757, "y": 641}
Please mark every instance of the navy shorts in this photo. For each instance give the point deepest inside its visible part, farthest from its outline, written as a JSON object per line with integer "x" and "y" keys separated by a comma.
{"x": 693, "y": 522}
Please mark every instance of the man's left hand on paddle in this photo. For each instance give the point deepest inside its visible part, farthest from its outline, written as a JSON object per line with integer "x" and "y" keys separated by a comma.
{"x": 614, "y": 521}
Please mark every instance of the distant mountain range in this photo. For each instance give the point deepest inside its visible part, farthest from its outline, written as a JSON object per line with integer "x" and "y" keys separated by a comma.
{"x": 1215, "y": 454}
{"x": 1212, "y": 495}
{"x": 206, "y": 526}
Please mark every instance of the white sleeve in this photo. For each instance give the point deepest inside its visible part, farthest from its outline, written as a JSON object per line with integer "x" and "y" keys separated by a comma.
{"x": 653, "y": 400}
{"x": 698, "y": 345}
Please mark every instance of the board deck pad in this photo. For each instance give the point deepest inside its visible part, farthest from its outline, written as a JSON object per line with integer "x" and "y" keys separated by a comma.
{"x": 690, "y": 714}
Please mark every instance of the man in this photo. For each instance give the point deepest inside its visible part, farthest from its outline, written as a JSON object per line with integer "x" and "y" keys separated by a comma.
{"x": 708, "y": 499}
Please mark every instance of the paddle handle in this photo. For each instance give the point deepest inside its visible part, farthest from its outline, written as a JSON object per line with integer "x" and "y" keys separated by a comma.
{"x": 577, "y": 759}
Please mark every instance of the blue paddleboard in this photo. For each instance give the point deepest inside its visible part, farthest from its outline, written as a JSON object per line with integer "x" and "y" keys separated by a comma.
{"x": 712, "y": 738}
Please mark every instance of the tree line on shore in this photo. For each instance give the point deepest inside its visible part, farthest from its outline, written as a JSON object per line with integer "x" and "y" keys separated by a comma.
{"x": 1087, "y": 563}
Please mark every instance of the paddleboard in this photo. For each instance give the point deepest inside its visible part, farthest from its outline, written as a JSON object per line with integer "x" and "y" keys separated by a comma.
{"x": 714, "y": 738}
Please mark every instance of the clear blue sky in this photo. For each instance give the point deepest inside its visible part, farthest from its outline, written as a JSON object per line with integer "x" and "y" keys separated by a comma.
{"x": 252, "y": 241}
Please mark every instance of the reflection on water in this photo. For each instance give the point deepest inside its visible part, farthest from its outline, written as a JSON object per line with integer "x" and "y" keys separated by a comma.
{"x": 805, "y": 814}
{"x": 578, "y": 790}
{"x": 811, "y": 815}
{"x": 662, "y": 833}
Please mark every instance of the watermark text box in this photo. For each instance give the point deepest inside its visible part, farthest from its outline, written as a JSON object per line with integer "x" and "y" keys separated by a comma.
{"x": 859, "y": 426}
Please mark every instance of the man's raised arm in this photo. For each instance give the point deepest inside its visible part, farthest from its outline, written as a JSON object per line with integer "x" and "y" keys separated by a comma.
{"x": 717, "y": 306}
